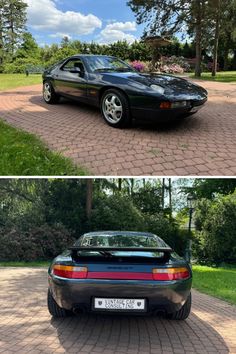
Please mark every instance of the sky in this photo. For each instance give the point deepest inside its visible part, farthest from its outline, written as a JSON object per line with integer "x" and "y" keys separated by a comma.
{"x": 101, "y": 21}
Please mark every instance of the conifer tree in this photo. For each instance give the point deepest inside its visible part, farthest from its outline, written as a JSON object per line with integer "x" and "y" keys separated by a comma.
{"x": 12, "y": 25}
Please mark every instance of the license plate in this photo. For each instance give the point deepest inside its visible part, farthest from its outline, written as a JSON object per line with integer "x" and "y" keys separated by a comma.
{"x": 119, "y": 304}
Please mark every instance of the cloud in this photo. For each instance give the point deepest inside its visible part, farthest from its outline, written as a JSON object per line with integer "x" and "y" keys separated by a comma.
{"x": 43, "y": 15}
{"x": 114, "y": 32}
{"x": 122, "y": 26}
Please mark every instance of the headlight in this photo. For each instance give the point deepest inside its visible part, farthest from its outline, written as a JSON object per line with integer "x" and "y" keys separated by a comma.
{"x": 158, "y": 89}
{"x": 179, "y": 104}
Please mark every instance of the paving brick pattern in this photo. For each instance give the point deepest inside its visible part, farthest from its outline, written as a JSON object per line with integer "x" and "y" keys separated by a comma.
{"x": 27, "y": 327}
{"x": 204, "y": 144}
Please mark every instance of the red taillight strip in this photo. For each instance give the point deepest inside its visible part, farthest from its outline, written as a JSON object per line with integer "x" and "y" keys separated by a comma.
{"x": 170, "y": 273}
{"x": 69, "y": 272}
{"x": 120, "y": 275}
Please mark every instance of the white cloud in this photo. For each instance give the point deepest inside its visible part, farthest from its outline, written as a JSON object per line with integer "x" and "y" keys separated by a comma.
{"x": 43, "y": 15}
{"x": 122, "y": 26}
{"x": 59, "y": 35}
{"x": 114, "y": 32}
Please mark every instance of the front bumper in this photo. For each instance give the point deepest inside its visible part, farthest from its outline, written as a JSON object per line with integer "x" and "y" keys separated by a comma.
{"x": 163, "y": 115}
{"x": 167, "y": 296}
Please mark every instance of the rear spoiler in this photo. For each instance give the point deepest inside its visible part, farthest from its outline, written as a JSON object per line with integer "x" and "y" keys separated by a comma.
{"x": 166, "y": 250}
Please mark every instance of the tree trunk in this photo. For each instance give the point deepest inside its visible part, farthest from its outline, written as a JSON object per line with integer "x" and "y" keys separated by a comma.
{"x": 163, "y": 194}
{"x": 119, "y": 184}
{"x": 1, "y": 37}
{"x": 198, "y": 29}
{"x": 226, "y": 62}
{"x": 170, "y": 198}
{"x": 234, "y": 60}
{"x": 89, "y": 198}
{"x": 216, "y": 40}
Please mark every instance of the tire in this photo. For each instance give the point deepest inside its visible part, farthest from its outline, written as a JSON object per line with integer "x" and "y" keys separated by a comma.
{"x": 49, "y": 94}
{"x": 54, "y": 309}
{"x": 115, "y": 108}
{"x": 184, "y": 312}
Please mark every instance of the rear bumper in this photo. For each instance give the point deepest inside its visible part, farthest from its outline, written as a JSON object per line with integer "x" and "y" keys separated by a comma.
{"x": 168, "y": 296}
{"x": 163, "y": 115}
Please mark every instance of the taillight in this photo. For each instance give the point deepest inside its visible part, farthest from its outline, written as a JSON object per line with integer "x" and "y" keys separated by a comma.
{"x": 165, "y": 105}
{"x": 170, "y": 273}
{"x": 69, "y": 271}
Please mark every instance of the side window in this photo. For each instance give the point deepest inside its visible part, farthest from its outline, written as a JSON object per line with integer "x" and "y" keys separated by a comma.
{"x": 74, "y": 64}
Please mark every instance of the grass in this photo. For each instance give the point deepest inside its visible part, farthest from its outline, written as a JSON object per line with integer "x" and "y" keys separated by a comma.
{"x": 11, "y": 81}
{"x": 25, "y": 264}
{"x": 223, "y": 76}
{"x": 219, "y": 282}
{"x": 23, "y": 154}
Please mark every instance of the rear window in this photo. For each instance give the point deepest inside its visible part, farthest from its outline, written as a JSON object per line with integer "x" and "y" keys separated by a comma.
{"x": 120, "y": 241}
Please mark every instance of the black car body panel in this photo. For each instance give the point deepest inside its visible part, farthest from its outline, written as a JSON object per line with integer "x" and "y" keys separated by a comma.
{"x": 144, "y": 101}
{"x": 72, "y": 294}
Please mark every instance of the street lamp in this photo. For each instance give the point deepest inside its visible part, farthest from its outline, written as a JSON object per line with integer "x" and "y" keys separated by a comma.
{"x": 191, "y": 204}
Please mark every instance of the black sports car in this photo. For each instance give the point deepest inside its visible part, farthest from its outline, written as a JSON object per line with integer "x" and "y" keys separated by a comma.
{"x": 121, "y": 92}
{"x": 113, "y": 271}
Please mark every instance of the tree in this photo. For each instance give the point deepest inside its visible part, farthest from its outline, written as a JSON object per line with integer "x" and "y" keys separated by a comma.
{"x": 209, "y": 188}
{"x": 217, "y": 6}
{"x": 13, "y": 15}
{"x": 165, "y": 18}
{"x": 28, "y": 47}
{"x": 201, "y": 18}
{"x": 89, "y": 197}
{"x": 216, "y": 223}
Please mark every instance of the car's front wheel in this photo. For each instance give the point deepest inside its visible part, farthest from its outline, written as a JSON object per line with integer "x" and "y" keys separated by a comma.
{"x": 54, "y": 309}
{"x": 49, "y": 94}
{"x": 184, "y": 312}
{"x": 115, "y": 108}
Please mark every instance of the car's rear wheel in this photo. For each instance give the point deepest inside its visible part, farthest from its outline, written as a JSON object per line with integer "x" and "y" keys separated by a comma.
{"x": 54, "y": 309}
{"x": 49, "y": 94}
{"x": 115, "y": 108}
{"x": 184, "y": 312}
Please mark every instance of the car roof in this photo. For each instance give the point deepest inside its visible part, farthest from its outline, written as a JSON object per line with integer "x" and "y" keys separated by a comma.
{"x": 91, "y": 55}
{"x": 122, "y": 233}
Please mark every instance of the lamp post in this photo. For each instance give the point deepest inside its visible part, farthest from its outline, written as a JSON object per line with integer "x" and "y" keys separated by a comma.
{"x": 191, "y": 204}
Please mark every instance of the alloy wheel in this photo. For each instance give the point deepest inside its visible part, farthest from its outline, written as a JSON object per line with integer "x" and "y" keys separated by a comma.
{"x": 112, "y": 108}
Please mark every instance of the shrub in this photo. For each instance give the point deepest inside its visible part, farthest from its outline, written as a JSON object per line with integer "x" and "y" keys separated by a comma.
{"x": 216, "y": 225}
{"x": 167, "y": 230}
{"x": 116, "y": 212}
{"x": 20, "y": 65}
{"x": 138, "y": 65}
{"x": 40, "y": 243}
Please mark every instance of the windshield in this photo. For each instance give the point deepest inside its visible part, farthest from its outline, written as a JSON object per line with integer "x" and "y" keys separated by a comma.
{"x": 103, "y": 63}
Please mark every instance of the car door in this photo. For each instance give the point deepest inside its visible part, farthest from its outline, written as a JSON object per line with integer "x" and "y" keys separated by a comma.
{"x": 71, "y": 79}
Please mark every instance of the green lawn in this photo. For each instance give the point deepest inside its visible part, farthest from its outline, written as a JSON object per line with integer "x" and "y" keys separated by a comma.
{"x": 11, "y": 81}
{"x": 219, "y": 282}
{"x": 23, "y": 154}
{"x": 224, "y": 76}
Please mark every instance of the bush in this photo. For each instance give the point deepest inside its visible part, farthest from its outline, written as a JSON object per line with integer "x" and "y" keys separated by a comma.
{"x": 116, "y": 212}
{"x": 138, "y": 65}
{"x": 40, "y": 243}
{"x": 216, "y": 225}
{"x": 20, "y": 65}
{"x": 168, "y": 231}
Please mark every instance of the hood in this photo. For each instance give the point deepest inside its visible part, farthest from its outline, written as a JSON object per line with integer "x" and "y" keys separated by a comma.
{"x": 171, "y": 84}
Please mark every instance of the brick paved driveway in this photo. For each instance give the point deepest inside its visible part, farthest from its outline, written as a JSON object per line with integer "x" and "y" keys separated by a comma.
{"x": 202, "y": 145}
{"x": 26, "y": 326}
